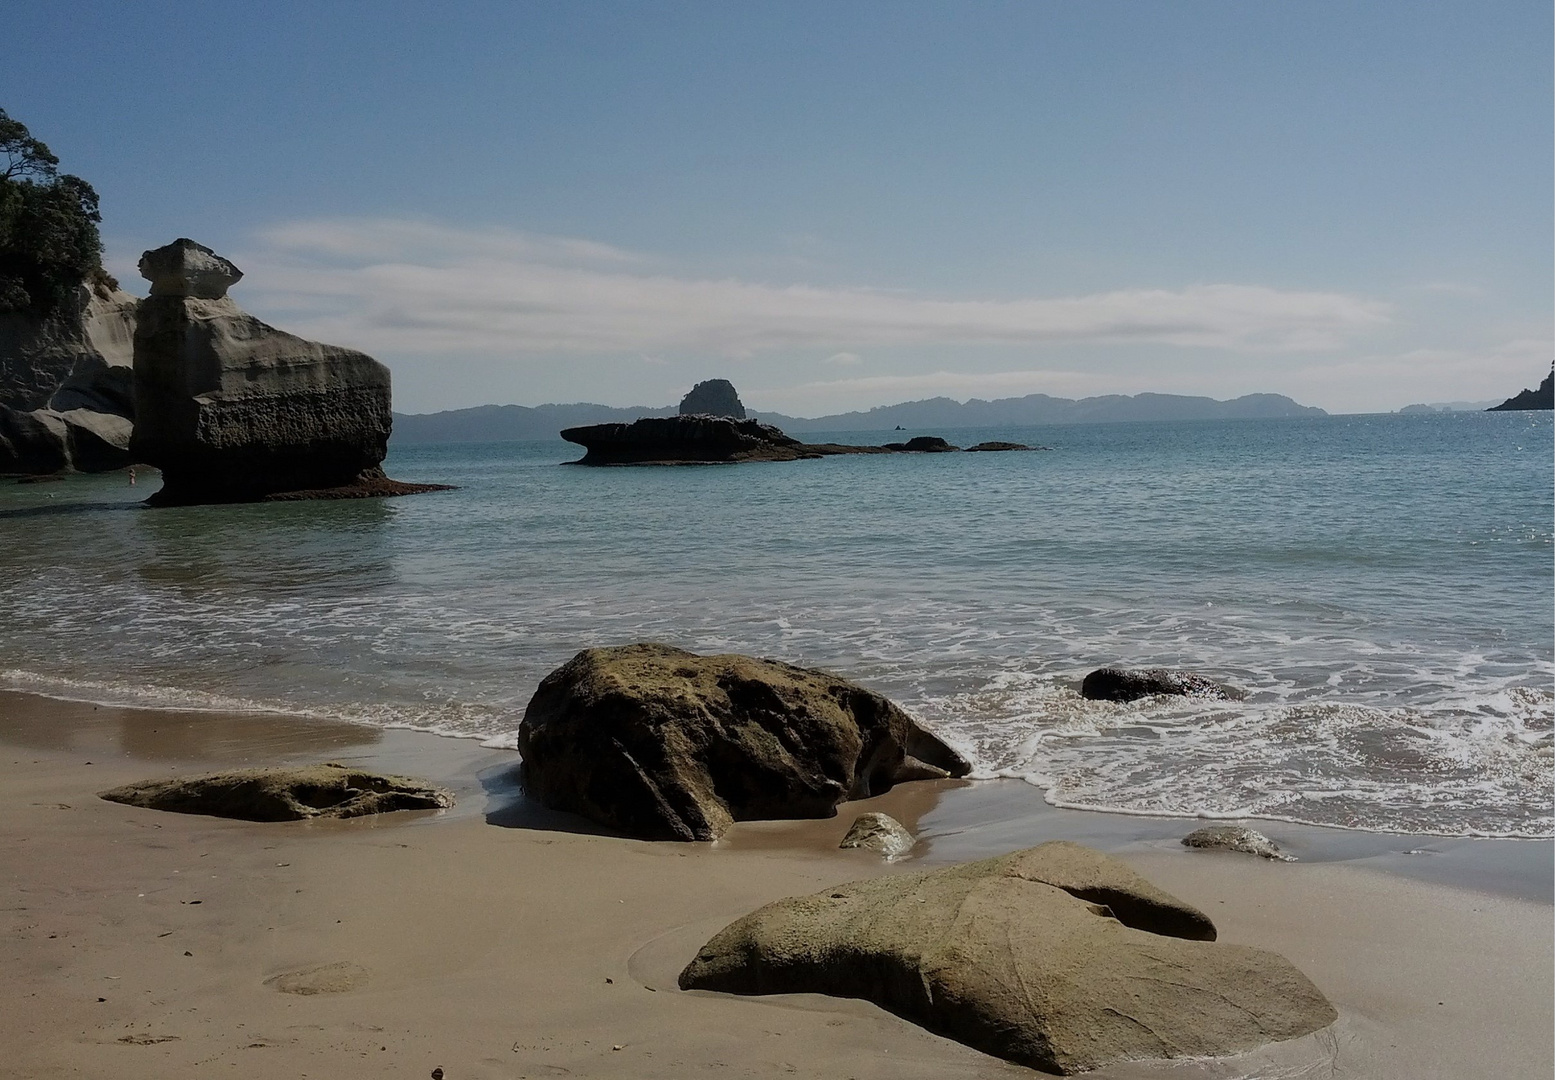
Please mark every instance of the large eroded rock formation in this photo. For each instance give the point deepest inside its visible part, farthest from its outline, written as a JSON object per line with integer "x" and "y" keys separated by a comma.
{"x": 1059, "y": 958}
{"x": 233, "y": 410}
{"x": 663, "y": 744}
{"x": 66, "y": 395}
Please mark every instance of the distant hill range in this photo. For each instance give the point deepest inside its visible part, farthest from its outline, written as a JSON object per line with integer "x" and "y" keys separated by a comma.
{"x": 507, "y": 423}
{"x": 1542, "y": 398}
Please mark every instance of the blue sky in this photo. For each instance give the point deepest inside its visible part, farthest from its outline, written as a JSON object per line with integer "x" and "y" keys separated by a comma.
{"x": 839, "y": 205}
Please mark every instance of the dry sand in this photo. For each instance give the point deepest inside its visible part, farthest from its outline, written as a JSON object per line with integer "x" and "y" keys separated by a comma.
{"x": 144, "y": 944}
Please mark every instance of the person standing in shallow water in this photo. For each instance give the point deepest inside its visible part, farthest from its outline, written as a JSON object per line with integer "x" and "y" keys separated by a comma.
{"x": 132, "y": 476}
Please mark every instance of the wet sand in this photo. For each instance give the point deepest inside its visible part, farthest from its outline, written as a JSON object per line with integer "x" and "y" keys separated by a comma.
{"x": 502, "y": 940}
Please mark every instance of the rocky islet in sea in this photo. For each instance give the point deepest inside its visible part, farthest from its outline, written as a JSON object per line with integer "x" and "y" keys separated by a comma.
{"x": 699, "y": 439}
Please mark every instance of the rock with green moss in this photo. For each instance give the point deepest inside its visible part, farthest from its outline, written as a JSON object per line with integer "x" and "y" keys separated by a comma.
{"x": 663, "y": 744}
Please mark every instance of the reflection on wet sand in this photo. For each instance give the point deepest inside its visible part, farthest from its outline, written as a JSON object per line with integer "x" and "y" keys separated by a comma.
{"x": 165, "y": 735}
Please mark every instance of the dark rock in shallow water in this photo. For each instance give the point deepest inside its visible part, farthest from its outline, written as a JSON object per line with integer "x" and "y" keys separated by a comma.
{"x": 1123, "y": 684}
{"x": 715, "y": 397}
{"x": 308, "y": 791}
{"x": 714, "y": 440}
{"x": 663, "y": 744}
{"x": 1059, "y": 958}
{"x": 922, "y": 444}
{"x": 233, "y": 410}
{"x": 989, "y": 447}
{"x": 1529, "y": 400}
{"x": 1235, "y": 838}
{"x": 679, "y": 440}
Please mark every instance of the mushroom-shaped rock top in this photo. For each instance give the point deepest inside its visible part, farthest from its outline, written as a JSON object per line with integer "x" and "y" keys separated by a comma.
{"x": 185, "y": 268}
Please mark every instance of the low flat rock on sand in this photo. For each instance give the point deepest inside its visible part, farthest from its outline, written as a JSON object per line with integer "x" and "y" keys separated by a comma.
{"x": 1059, "y": 958}
{"x": 663, "y": 744}
{"x": 308, "y": 791}
{"x": 1130, "y": 684}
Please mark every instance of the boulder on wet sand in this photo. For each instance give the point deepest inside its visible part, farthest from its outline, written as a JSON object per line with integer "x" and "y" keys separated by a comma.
{"x": 233, "y": 410}
{"x": 715, "y": 397}
{"x": 663, "y": 744}
{"x": 1059, "y": 958}
{"x": 1236, "y": 838}
{"x": 879, "y": 832}
{"x": 286, "y": 794}
{"x": 1125, "y": 684}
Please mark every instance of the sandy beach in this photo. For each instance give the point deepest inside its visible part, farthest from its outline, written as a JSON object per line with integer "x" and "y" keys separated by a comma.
{"x": 500, "y": 940}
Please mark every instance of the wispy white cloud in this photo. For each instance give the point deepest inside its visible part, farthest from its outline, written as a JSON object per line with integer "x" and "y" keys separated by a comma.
{"x": 845, "y": 359}
{"x": 416, "y": 287}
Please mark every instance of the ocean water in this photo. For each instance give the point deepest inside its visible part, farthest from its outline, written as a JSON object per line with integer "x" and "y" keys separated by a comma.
{"x": 1381, "y": 585}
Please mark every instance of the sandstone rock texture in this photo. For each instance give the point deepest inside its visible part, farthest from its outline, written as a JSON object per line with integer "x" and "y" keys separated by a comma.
{"x": 1236, "y": 838}
{"x": 714, "y": 440}
{"x": 309, "y": 791}
{"x": 233, "y": 410}
{"x": 879, "y": 832}
{"x": 66, "y": 396}
{"x": 1058, "y": 958}
{"x": 663, "y": 744}
{"x": 1124, "y": 684}
{"x": 715, "y": 397}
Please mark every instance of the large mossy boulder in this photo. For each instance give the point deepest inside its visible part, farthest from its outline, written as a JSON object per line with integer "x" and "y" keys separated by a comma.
{"x": 233, "y": 410}
{"x": 286, "y": 794}
{"x": 1059, "y": 958}
{"x": 663, "y": 744}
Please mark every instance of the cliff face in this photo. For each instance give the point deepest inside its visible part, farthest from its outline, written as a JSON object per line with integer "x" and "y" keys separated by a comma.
{"x": 1542, "y": 398}
{"x": 66, "y": 385}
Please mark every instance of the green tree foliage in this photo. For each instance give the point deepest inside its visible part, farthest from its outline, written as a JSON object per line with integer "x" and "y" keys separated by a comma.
{"x": 49, "y": 242}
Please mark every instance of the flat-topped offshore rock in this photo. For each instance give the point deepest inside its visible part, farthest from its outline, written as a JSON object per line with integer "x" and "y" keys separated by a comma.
{"x": 663, "y": 744}
{"x": 1059, "y": 958}
{"x": 290, "y": 794}
{"x": 233, "y": 410}
{"x": 679, "y": 440}
{"x": 1130, "y": 684}
{"x": 715, "y": 440}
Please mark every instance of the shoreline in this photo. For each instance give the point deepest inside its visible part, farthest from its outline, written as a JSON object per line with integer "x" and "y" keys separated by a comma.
{"x": 955, "y": 820}
{"x": 502, "y": 939}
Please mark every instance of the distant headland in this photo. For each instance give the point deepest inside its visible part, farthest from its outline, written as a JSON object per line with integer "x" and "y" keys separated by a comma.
{"x": 505, "y": 423}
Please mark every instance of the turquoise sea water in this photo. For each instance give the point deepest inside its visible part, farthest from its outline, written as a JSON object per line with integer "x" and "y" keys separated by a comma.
{"x": 1381, "y": 584}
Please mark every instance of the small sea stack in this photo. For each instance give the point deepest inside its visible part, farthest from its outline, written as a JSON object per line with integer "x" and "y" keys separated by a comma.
{"x": 233, "y": 410}
{"x": 714, "y": 397}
